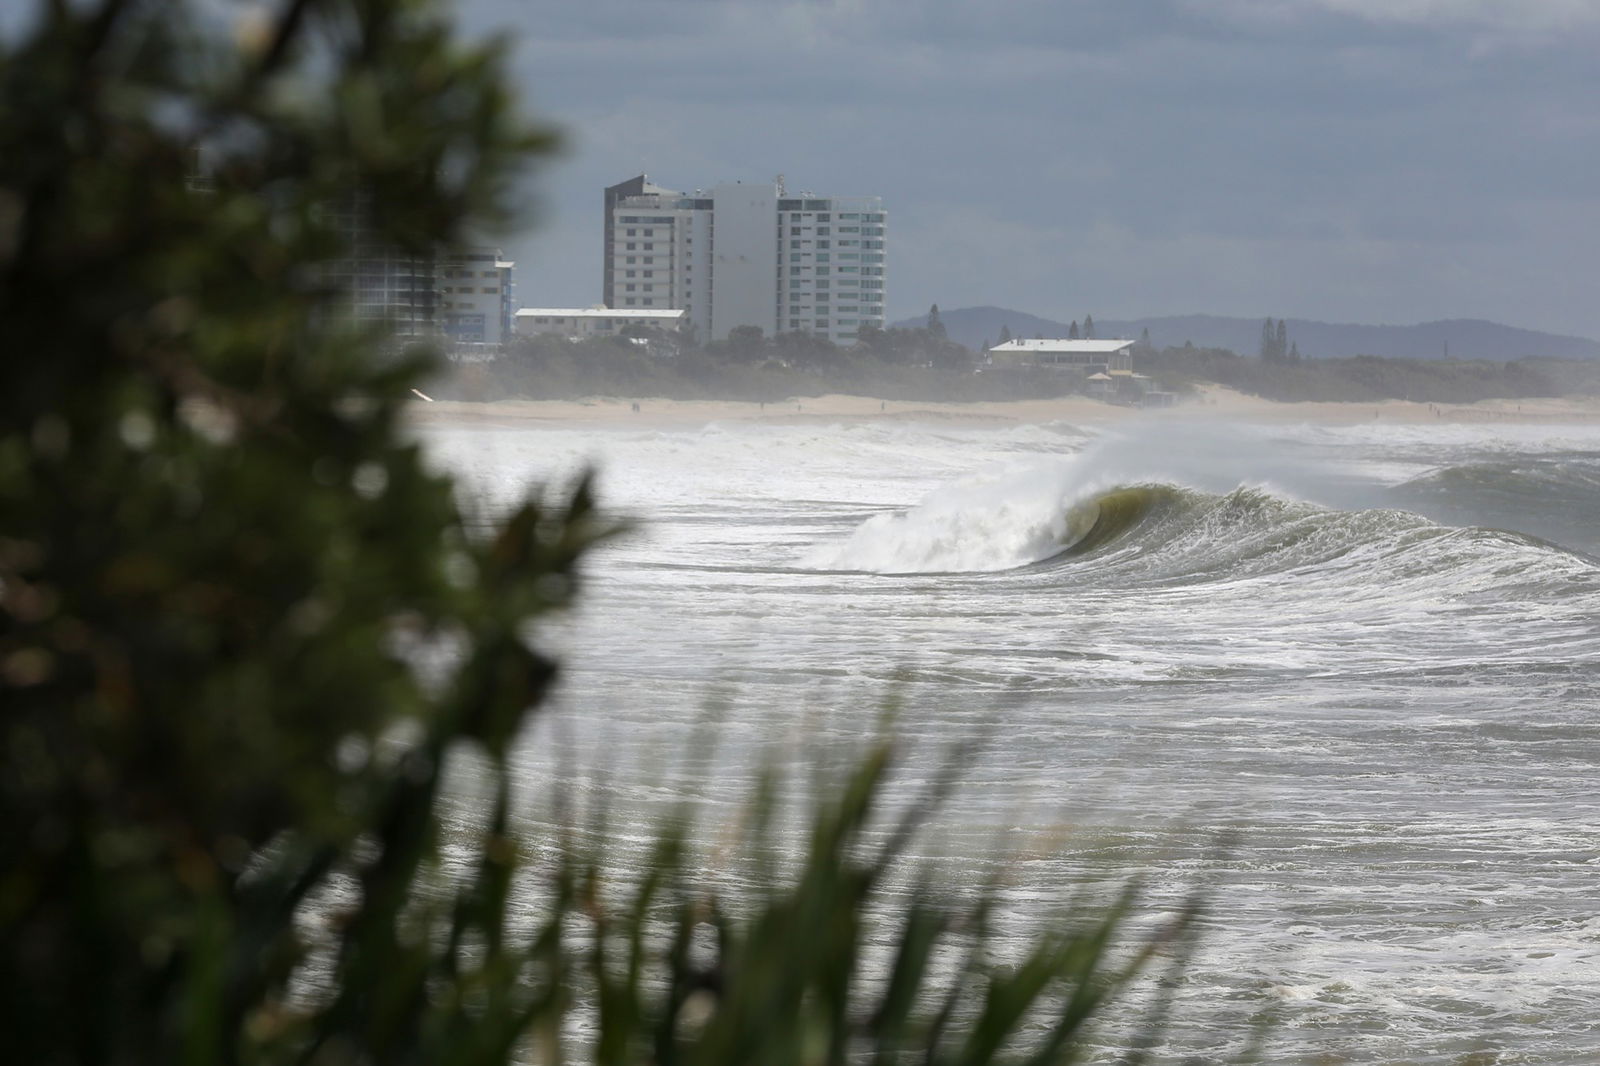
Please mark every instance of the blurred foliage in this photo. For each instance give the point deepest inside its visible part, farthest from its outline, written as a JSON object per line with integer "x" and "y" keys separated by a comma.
{"x": 221, "y": 558}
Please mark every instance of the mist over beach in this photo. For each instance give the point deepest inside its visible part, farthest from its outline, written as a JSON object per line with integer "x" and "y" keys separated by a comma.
{"x": 1359, "y": 643}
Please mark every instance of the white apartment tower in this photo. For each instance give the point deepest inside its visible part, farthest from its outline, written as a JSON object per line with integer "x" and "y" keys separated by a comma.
{"x": 747, "y": 254}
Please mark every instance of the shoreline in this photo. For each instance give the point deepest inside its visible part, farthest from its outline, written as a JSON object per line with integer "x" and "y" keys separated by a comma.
{"x": 1213, "y": 404}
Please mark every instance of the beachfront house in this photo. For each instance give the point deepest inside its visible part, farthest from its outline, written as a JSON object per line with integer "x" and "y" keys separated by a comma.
{"x": 1112, "y": 358}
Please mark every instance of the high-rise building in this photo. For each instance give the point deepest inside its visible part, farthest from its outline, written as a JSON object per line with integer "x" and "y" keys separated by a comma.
{"x": 379, "y": 282}
{"x": 476, "y": 297}
{"x": 747, "y": 254}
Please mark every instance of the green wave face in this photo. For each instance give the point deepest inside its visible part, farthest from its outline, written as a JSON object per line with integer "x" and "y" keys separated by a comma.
{"x": 1111, "y": 516}
{"x": 1166, "y": 535}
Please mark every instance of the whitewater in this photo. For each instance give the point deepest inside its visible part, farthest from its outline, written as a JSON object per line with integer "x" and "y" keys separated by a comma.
{"x": 1346, "y": 677}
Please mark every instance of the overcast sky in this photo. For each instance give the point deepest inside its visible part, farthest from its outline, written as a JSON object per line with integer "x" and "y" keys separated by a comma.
{"x": 1380, "y": 161}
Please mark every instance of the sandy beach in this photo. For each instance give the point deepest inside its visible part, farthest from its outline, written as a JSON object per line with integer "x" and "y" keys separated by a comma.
{"x": 1213, "y": 403}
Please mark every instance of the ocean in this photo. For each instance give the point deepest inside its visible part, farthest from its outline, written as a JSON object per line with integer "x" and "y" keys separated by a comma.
{"x": 1346, "y": 678}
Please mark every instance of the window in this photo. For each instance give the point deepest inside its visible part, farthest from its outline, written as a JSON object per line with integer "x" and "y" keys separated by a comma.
{"x": 821, "y": 270}
{"x": 794, "y": 323}
{"x": 491, "y": 273}
{"x": 795, "y": 270}
{"x": 491, "y": 290}
{"x": 849, "y": 216}
{"x": 649, "y": 258}
{"x": 631, "y": 286}
{"x": 648, "y": 245}
{"x": 822, "y": 323}
{"x": 648, "y": 300}
{"x": 632, "y": 233}
{"x": 649, "y": 287}
{"x": 633, "y": 258}
{"x": 794, "y": 257}
{"x": 631, "y": 246}
{"x": 649, "y": 233}
{"x": 630, "y": 301}
{"x": 794, "y": 231}
{"x": 631, "y": 273}
{"x": 822, "y": 284}
{"x": 822, "y": 231}
{"x": 822, "y": 244}
{"x": 794, "y": 244}
{"x": 849, "y": 229}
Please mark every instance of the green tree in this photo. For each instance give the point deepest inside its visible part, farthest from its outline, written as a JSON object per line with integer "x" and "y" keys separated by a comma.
{"x": 1005, "y": 334}
{"x": 935, "y": 327}
{"x": 224, "y": 563}
{"x": 1072, "y": 331}
{"x": 746, "y": 342}
{"x": 1088, "y": 327}
{"x": 215, "y": 540}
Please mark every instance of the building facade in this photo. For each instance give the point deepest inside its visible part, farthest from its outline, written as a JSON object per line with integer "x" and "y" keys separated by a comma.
{"x": 378, "y": 282}
{"x": 581, "y": 323}
{"x": 476, "y": 296}
{"x": 1110, "y": 357}
{"x": 747, "y": 254}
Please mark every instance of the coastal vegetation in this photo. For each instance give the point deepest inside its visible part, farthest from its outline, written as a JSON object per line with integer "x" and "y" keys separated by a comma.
{"x": 921, "y": 364}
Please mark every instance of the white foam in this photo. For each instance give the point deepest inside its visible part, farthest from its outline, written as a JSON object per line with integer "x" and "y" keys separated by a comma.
{"x": 997, "y": 520}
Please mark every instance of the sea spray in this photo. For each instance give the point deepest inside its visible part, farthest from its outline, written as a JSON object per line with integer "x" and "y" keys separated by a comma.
{"x": 996, "y": 520}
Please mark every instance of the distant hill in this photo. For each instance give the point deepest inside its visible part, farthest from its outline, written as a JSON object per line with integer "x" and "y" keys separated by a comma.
{"x": 1466, "y": 338}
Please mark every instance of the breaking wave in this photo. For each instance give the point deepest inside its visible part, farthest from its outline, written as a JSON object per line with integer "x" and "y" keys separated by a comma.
{"x": 1156, "y": 533}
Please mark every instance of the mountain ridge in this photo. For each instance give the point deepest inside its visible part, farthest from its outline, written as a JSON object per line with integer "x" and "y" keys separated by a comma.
{"x": 1462, "y": 338}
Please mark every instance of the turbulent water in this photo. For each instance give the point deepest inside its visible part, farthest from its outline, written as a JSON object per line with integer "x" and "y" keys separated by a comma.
{"x": 1368, "y": 656}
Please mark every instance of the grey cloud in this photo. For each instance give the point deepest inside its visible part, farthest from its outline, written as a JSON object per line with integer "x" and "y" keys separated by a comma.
{"x": 1116, "y": 145}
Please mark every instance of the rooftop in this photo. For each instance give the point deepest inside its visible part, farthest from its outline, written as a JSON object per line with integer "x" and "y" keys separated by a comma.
{"x": 601, "y": 312}
{"x": 1106, "y": 347}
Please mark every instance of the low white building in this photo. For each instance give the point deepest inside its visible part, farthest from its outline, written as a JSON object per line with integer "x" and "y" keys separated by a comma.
{"x": 581, "y": 323}
{"x": 1113, "y": 358}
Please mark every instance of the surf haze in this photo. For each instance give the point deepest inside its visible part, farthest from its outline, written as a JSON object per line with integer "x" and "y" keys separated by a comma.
{"x": 1359, "y": 649}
